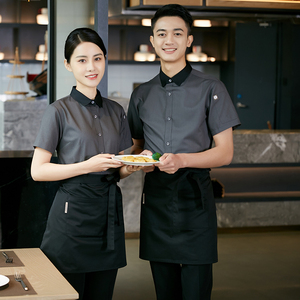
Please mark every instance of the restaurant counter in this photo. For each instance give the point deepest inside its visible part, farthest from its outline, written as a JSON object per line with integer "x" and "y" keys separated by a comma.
{"x": 19, "y": 123}
{"x": 261, "y": 189}
{"x": 24, "y": 203}
{"x": 16, "y": 153}
{"x": 261, "y": 186}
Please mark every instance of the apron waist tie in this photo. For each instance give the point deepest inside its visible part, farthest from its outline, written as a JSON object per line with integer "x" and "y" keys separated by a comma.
{"x": 113, "y": 179}
{"x": 189, "y": 173}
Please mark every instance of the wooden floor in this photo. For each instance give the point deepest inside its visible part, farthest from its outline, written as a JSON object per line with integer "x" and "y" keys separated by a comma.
{"x": 252, "y": 265}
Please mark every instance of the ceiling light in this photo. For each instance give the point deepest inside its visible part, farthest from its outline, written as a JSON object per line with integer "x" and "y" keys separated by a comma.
{"x": 202, "y": 23}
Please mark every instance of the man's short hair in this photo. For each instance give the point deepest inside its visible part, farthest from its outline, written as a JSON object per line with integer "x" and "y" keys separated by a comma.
{"x": 173, "y": 10}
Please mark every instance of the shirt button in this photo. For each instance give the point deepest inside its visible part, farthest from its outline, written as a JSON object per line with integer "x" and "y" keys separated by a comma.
{"x": 93, "y": 102}
{"x": 168, "y": 143}
{"x": 170, "y": 94}
{"x": 99, "y": 134}
{"x": 169, "y": 118}
{"x": 95, "y": 116}
{"x": 170, "y": 80}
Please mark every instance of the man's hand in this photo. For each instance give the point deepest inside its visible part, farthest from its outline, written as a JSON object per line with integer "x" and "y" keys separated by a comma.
{"x": 170, "y": 163}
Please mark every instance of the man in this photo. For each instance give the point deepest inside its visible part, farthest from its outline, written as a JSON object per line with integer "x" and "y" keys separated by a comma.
{"x": 180, "y": 113}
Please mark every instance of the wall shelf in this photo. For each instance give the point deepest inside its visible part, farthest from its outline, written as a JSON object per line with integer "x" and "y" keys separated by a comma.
{"x": 18, "y": 25}
{"x": 19, "y": 29}
{"x": 132, "y": 62}
{"x": 26, "y": 61}
{"x": 124, "y": 41}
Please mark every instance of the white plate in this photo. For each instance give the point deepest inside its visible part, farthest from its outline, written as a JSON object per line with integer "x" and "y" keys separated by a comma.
{"x": 3, "y": 280}
{"x": 119, "y": 158}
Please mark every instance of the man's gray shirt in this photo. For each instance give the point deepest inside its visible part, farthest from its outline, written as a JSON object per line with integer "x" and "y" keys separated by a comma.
{"x": 180, "y": 114}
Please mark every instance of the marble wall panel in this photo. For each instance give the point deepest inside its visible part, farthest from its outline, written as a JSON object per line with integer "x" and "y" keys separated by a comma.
{"x": 255, "y": 214}
{"x": 21, "y": 121}
{"x": 266, "y": 146}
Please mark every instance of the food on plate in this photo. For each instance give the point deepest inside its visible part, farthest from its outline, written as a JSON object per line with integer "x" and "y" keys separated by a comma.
{"x": 156, "y": 155}
{"x": 140, "y": 159}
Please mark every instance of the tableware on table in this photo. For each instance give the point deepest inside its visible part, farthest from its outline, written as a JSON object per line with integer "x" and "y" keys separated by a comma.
{"x": 135, "y": 163}
{"x": 4, "y": 282}
{"x": 18, "y": 277}
{"x": 7, "y": 259}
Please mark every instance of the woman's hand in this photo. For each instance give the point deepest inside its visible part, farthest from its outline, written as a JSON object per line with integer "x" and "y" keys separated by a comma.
{"x": 102, "y": 162}
{"x": 43, "y": 170}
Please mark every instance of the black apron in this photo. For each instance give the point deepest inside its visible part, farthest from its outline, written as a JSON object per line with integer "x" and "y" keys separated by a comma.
{"x": 178, "y": 218}
{"x": 85, "y": 228}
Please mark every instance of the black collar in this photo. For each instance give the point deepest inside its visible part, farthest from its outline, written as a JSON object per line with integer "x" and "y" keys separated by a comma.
{"x": 179, "y": 78}
{"x": 83, "y": 100}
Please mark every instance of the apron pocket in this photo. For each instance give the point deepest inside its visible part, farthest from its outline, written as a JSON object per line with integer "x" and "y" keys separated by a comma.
{"x": 86, "y": 217}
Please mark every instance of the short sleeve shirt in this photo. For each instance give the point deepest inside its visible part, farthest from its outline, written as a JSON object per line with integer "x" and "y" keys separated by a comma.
{"x": 79, "y": 128}
{"x": 180, "y": 114}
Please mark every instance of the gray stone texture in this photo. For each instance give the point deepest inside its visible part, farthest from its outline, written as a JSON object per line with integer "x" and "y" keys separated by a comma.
{"x": 19, "y": 123}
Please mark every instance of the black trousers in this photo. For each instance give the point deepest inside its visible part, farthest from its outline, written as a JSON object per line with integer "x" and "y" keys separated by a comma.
{"x": 182, "y": 282}
{"x": 94, "y": 285}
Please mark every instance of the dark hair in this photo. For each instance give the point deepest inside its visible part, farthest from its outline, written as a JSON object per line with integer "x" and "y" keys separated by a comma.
{"x": 80, "y": 35}
{"x": 173, "y": 10}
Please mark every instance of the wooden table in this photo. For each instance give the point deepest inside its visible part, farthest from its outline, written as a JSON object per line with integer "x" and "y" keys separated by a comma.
{"x": 45, "y": 279}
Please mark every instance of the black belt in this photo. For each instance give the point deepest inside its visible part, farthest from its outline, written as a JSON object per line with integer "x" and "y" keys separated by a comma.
{"x": 106, "y": 180}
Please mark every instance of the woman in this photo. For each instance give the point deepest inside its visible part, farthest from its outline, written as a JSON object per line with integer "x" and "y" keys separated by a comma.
{"x": 84, "y": 237}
